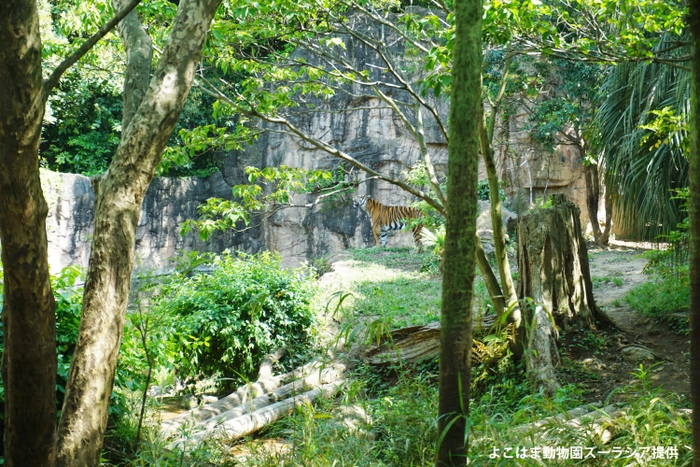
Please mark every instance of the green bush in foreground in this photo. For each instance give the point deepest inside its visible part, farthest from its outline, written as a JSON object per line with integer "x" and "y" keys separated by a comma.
{"x": 660, "y": 297}
{"x": 226, "y": 321}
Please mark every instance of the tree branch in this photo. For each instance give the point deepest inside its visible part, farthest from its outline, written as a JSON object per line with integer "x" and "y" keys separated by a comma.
{"x": 52, "y": 80}
{"x": 252, "y": 112}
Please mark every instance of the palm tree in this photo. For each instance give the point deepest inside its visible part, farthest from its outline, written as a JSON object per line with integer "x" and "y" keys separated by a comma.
{"x": 640, "y": 133}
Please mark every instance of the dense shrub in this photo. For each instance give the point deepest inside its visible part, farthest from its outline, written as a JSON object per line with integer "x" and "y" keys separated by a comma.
{"x": 227, "y": 320}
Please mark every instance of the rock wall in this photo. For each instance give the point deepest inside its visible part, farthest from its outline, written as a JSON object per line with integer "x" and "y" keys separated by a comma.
{"x": 298, "y": 234}
{"x": 360, "y": 126}
{"x": 168, "y": 202}
{"x": 529, "y": 172}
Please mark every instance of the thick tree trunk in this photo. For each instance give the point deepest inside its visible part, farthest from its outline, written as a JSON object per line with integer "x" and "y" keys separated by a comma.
{"x": 118, "y": 196}
{"x": 694, "y": 217}
{"x": 460, "y": 248}
{"x": 28, "y": 313}
{"x": 553, "y": 271}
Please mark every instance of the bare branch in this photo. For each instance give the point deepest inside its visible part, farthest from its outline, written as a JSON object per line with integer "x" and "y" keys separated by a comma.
{"x": 293, "y": 130}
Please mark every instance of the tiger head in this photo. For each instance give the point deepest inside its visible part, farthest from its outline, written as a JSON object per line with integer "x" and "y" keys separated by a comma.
{"x": 360, "y": 201}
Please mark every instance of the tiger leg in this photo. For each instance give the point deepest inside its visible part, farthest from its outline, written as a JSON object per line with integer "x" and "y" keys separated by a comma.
{"x": 384, "y": 235}
{"x": 375, "y": 231}
{"x": 417, "y": 230}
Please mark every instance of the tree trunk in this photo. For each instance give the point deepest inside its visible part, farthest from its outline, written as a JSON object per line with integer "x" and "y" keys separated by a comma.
{"x": 28, "y": 313}
{"x": 460, "y": 237}
{"x": 118, "y": 196}
{"x": 499, "y": 233}
{"x": 694, "y": 229}
{"x": 609, "y": 198}
{"x": 590, "y": 172}
{"x": 553, "y": 272}
{"x": 492, "y": 286}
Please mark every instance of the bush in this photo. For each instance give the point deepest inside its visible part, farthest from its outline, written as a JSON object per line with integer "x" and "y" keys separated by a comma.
{"x": 484, "y": 192}
{"x": 68, "y": 291}
{"x": 660, "y": 297}
{"x": 226, "y": 321}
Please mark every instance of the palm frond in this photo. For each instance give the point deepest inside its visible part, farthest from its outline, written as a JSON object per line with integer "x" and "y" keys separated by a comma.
{"x": 641, "y": 165}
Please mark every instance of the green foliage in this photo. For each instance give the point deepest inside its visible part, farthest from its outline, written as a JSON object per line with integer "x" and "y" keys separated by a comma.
{"x": 83, "y": 119}
{"x": 484, "y": 192}
{"x": 640, "y": 131}
{"x": 563, "y": 99}
{"x": 226, "y": 321}
{"x": 199, "y": 137}
{"x": 283, "y": 182}
{"x": 84, "y": 127}
{"x": 495, "y": 360}
{"x": 68, "y": 292}
{"x": 435, "y": 240}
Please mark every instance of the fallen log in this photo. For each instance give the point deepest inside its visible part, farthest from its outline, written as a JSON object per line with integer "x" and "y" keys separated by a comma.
{"x": 249, "y": 423}
{"x": 589, "y": 419}
{"x": 248, "y": 392}
{"x": 234, "y": 406}
{"x": 414, "y": 343}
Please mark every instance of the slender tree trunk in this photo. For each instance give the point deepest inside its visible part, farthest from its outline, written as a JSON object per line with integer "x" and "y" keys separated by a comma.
{"x": 119, "y": 193}
{"x": 139, "y": 54}
{"x": 609, "y": 198}
{"x": 492, "y": 286}
{"x": 499, "y": 233}
{"x": 694, "y": 217}
{"x": 590, "y": 172}
{"x": 28, "y": 313}
{"x": 458, "y": 277}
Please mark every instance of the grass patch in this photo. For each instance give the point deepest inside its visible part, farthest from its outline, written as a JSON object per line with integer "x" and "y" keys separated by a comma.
{"x": 650, "y": 418}
{"x": 610, "y": 280}
{"x": 660, "y": 297}
{"x": 401, "y": 258}
{"x": 404, "y": 301}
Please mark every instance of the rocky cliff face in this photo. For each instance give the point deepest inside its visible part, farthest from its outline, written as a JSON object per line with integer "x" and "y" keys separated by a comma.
{"x": 167, "y": 204}
{"x": 298, "y": 234}
{"x": 362, "y": 127}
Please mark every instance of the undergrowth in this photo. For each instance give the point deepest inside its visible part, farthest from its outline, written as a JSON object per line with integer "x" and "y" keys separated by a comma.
{"x": 387, "y": 416}
{"x": 666, "y": 297}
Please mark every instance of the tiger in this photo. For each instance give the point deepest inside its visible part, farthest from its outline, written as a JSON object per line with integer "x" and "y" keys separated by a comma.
{"x": 386, "y": 218}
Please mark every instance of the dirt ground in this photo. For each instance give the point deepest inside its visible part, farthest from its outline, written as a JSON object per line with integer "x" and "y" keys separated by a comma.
{"x": 614, "y": 354}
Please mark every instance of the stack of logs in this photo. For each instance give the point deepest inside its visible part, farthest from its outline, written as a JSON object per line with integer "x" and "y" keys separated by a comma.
{"x": 255, "y": 405}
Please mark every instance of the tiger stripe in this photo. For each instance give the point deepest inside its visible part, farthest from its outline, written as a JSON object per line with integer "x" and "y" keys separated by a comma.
{"x": 386, "y": 218}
